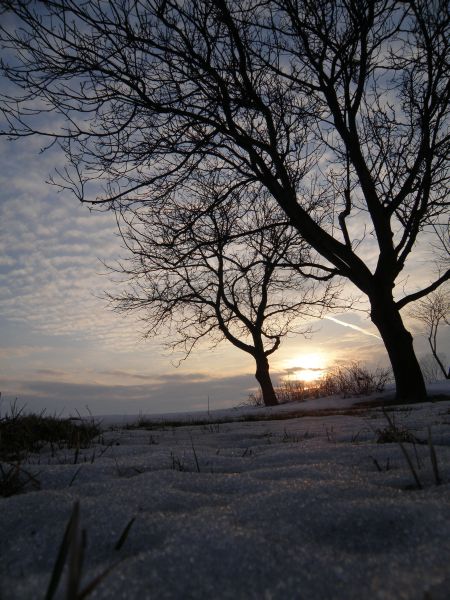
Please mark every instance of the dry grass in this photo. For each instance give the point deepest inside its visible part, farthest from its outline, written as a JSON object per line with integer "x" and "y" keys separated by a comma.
{"x": 354, "y": 379}
{"x": 24, "y": 434}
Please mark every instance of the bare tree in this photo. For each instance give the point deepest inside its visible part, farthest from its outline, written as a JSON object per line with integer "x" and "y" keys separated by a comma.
{"x": 433, "y": 311}
{"x": 230, "y": 274}
{"x": 430, "y": 368}
{"x": 340, "y": 110}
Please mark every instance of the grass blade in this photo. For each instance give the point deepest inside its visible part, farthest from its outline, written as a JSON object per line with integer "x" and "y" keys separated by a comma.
{"x": 76, "y": 556}
{"x": 71, "y": 526}
{"x": 433, "y": 458}
{"x": 195, "y": 456}
{"x": 405, "y": 453}
{"x": 96, "y": 581}
{"x": 74, "y": 476}
{"x": 120, "y": 542}
{"x": 411, "y": 466}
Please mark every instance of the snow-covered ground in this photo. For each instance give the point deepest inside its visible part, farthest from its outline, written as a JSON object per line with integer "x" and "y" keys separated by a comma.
{"x": 310, "y": 507}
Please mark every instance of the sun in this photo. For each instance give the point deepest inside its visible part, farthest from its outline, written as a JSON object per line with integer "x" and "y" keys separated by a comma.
{"x": 307, "y": 367}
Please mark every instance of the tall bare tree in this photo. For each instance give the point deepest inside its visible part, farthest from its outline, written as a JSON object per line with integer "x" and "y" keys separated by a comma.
{"x": 235, "y": 274}
{"x": 340, "y": 110}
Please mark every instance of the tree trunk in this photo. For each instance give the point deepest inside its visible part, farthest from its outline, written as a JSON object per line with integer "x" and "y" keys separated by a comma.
{"x": 263, "y": 377}
{"x": 410, "y": 385}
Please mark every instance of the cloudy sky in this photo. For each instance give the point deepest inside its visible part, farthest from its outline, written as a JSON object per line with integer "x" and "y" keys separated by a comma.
{"x": 63, "y": 349}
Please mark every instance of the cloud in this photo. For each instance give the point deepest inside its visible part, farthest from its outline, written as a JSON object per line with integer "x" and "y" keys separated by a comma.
{"x": 51, "y": 373}
{"x": 49, "y": 271}
{"x": 9, "y": 352}
{"x": 292, "y": 370}
{"x": 126, "y": 374}
{"x": 183, "y": 393}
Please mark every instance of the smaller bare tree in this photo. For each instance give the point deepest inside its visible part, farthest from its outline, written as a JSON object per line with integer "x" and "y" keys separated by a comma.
{"x": 430, "y": 368}
{"x": 234, "y": 273}
{"x": 433, "y": 311}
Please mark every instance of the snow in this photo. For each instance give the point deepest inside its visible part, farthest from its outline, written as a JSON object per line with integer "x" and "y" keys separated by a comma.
{"x": 306, "y": 507}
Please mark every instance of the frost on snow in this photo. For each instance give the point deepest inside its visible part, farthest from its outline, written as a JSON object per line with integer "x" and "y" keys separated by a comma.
{"x": 307, "y": 507}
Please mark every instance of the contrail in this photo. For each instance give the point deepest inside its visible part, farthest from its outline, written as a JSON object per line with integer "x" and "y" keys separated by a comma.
{"x": 353, "y": 327}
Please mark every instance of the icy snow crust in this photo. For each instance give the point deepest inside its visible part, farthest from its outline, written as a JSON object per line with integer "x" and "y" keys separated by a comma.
{"x": 274, "y": 509}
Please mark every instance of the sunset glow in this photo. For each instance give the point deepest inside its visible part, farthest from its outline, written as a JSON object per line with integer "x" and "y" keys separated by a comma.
{"x": 307, "y": 367}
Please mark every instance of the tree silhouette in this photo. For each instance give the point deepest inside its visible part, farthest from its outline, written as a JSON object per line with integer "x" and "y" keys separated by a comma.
{"x": 235, "y": 274}
{"x": 208, "y": 273}
{"x": 339, "y": 110}
{"x": 433, "y": 311}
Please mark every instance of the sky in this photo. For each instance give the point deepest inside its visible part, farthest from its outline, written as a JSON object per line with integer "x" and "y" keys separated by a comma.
{"x": 62, "y": 347}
